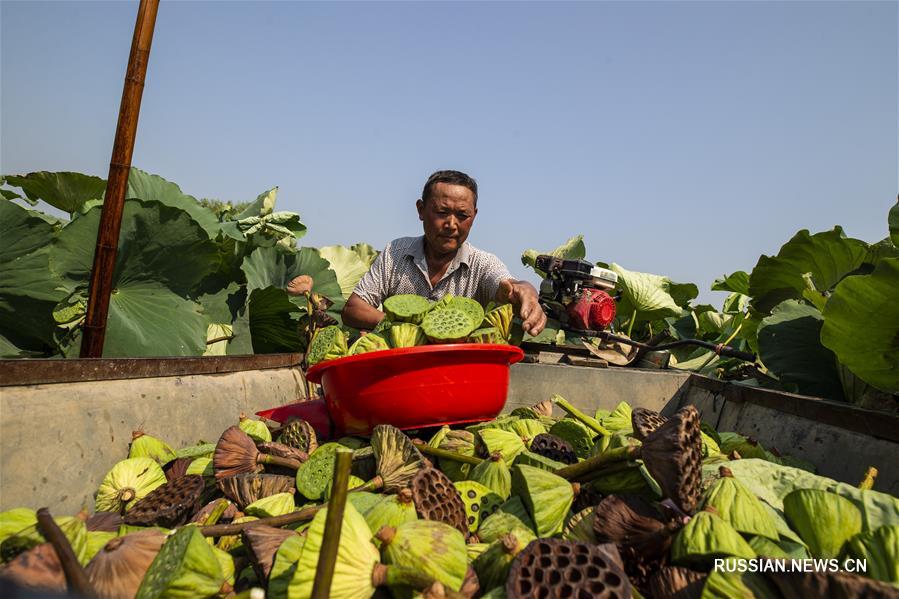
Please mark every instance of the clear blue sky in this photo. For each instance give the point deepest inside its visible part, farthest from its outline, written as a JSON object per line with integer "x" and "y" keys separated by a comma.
{"x": 681, "y": 138}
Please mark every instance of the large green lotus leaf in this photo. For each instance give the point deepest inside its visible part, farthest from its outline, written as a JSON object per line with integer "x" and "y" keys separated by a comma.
{"x": 877, "y": 252}
{"x": 63, "y": 190}
{"x": 163, "y": 255}
{"x": 790, "y": 346}
{"x": 347, "y": 264}
{"x": 275, "y": 267}
{"x": 573, "y": 249}
{"x": 365, "y": 252}
{"x": 263, "y": 205}
{"x": 736, "y": 282}
{"x": 828, "y": 257}
{"x": 861, "y": 325}
{"x": 648, "y": 294}
{"x": 772, "y": 482}
{"x": 273, "y": 322}
{"x": 893, "y": 221}
{"x": 144, "y": 186}
{"x": 28, "y": 291}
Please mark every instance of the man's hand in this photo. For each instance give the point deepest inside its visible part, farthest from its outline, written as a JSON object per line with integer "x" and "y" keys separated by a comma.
{"x": 523, "y": 296}
{"x": 357, "y": 313}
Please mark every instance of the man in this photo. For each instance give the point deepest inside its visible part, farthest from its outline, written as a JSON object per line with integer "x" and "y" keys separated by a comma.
{"x": 442, "y": 261}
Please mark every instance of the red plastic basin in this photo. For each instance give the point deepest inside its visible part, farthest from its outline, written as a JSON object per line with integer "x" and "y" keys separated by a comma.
{"x": 415, "y": 387}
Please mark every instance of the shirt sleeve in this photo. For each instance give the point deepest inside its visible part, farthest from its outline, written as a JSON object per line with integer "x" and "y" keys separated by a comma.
{"x": 372, "y": 287}
{"x": 494, "y": 273}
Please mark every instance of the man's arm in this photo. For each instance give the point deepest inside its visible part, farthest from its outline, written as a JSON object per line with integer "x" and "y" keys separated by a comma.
{"x": 359, "y": 314}
{"x": 523, "y": 296}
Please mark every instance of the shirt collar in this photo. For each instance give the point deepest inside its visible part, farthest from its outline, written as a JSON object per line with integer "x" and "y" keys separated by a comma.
{"x": 417, "y": 252}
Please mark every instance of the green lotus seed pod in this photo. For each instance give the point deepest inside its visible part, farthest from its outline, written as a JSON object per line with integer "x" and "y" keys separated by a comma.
{"x": 578, "y": 435}
{"x": 284, "y": 567}
{"x": 880, "y": 549}
{"x": 494, "y": 474}
{"x": 314, "y": 474}
{"x": 352, "y": 483}
{"x": 510, "y": 515}
{"x": 824, "y": 520}
{"x": 406, "y": 308}
{"x": 501, "y": 319}
{"x": 15, "y": 520}
{"x": 471, "y": 307}
{"x": 736, "y": 585}
{"x": 546, "y": 496}
{"x": 580, "y": 527}
{"x": 186, "y": 567}
{"x": 493, "y": 565}
{"x": 127, "y": 482}
{"x": 363, "y": 500}
{"x": 433, "y": 548}
{"x": 273, "y": 505}
{"x": 529, "y": 458}
{"x": 739, "y": 507}
{"x": 486, "y": 335}
{"x": 327, "y": 344}
{"x": 391, "y": 510}
{"x": 479, "y": 502}
{"x": 461, "y": 442}
{"x": 256, "y": 429}
{"x": 368, "y": 343}
{"x": 406, "y": 335}
{"x": 201, "y": 450}
{"x": 476, "y": 549}
{"x": 619, "y": 419}
{"x": 226, "y": 563}
{"x": 706, "y": 537}
{"x": 145, "y": 446}
{"x": 233, "y": 543}
{"x": 96, "y": 539}
{"x": 449, "y": 325}
{"x": 506, "y": 443}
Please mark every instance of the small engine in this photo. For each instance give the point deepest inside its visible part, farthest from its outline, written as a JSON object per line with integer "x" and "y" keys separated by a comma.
{"x": 577, "y": 293}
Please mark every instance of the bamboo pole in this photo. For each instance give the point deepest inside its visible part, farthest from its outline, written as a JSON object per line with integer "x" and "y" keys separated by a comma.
{"x": 327, "y": 557}
{"x": 117, "y": 182}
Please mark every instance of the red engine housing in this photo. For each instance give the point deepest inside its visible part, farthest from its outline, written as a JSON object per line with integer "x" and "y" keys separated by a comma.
{"x": 593, "y": 311}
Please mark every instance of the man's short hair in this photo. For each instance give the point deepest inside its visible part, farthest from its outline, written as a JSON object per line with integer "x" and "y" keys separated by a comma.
{"x": 451, "y": 178}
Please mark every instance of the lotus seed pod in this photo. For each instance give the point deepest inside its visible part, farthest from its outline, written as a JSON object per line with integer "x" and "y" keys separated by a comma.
{"x": 449, "y": 325}
{"x": 244, "y": 489}
{"x": 234, "y": 542}
{"x": 471, "y": 307}
{"x": 406, "y": 308}
{"x": 645, "y": 421}
{"x": 493, "y": 565}
{"x": 765, "y": 547}
{"x": 283, "y": 451}
{"x": 479, "y": 502}
{"x": 15, "y": 520}
{"x": 367, "y": 343}
{"x": 363, "y": 501}
{"x": 104, "y": 521}
{"x": 528, "y": 429}
{"x": 356, "y": 558}
{"x": 96, "y": 539}
{"x": 629, "y": 481}
{"x": 328, "y": 343}
{"x": 314, "y": 474}
{"x": 529, "y": 458}
{"x": 117, "y": 570}
{"x": 406, "y": 335}
{"x": 169, "y": 505}
{"x": 880, "y": 549}
{"x": 546, "y": 496}
{"x": 37, "y": 569}
{"x": 578, "y": 435}
{"x": 728, "y": 585}
{"x": 256, "y": 429}
{"x": 145, "y": 446}
{"x": 502, "y": 423}
{"x": 226, "y": 563}
{"x": 555, "y": 568}
{"x": 461, "y": 442}
{"x": 262, "y": 544}
{"x": 673, "y": 456}
{"x": 284, "y": 566}
{"x": 636, "y": 527}
{"x": 510, "y": 515}
{"x": 740, "y": 507}
{"x": 828, "y": 584}
{"x": 300, "y": 434}
{"x": 354, "y": 482}
{"x": 706, "y": 537}
{"x": 398, "y": 460}
{"x": 437, "y": 499}
{"x": 486, "y": 335}
{"x": 201, "y": 450}
{"x": 824, "y": 520}
{"x": 434, "y": 548}
{"x": 501, "y": 319}
{"x": 176, "y": 468}
{"x": 235, "y": 453}
{"x": 127, "y": 482}
{"x": 439, "y": 436}
{"x": 506, "y": 443}
{"x": 185, "y": 567}
{"x": 273, "y": 505}
{"x": 580, "y": 527}
{"x": 554, "y": 448}
{"x": 475, "y": 549}
{"x": 202, "y": 467}
{"x": 676, "y": 582}
{"x": 494, "y": 474}
{"x": 619, "y": 419}
{"x": 391, "y": 510}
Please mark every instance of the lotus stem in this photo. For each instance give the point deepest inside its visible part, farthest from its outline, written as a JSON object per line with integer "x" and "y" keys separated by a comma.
{"x": 216, "y": 513}
{"x": 597, "y": 463}
{"x": 446, "y": 454}
{"x": 76, "y": 577}
{"x": 273, "y": 460}
{"x": 373, "y": 486}
{"x": 868, "y": 482}
{"x": 222, "y": 530}
{"x": 572, "y": 411}
{"x": 327, "y": 557}
{"x": 392, "y": 576}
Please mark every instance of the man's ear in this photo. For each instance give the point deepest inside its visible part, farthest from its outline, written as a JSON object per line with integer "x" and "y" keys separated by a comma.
{"x": 420, "y": 206}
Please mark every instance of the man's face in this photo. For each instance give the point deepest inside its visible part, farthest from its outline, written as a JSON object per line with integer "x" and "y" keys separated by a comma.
{"x": 447, "y": 217}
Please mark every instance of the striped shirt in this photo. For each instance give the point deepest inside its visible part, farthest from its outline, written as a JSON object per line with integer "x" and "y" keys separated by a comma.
{"x": 402, "y": 268}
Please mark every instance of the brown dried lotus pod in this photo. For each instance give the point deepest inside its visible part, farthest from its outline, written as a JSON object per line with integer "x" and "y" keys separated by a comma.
{"x": 170, "y": 505}
{"x": 587, "y": 496}
{"x": 436, "y": 498}
{"x": 833, "y": 585}
{"x": 119, "y": 567}
{"x": 645, "y": 421}
{"x": 471, "y": 585}
{"x": 554, "y": 448}
{"x": 262, "y": 543}
{"x": 629, "y": 520}
{"x": 104, "y": 521}
{"x": 231, "y": 512}
{"x": 300, "y": 434}
{"x": 236, "y": 453}
{"x": 675, "y": 582}
{"x": 244, "y": 489}
{"x": 673, "y": 455}
{"x": 282, "y": 451}
{"x": 38, "y": 569}
{"x": 397, "y": 458}
{"x": 556, "y": 568}
{"x": 544, "y": 408}
{"x": 176, "y": 468}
